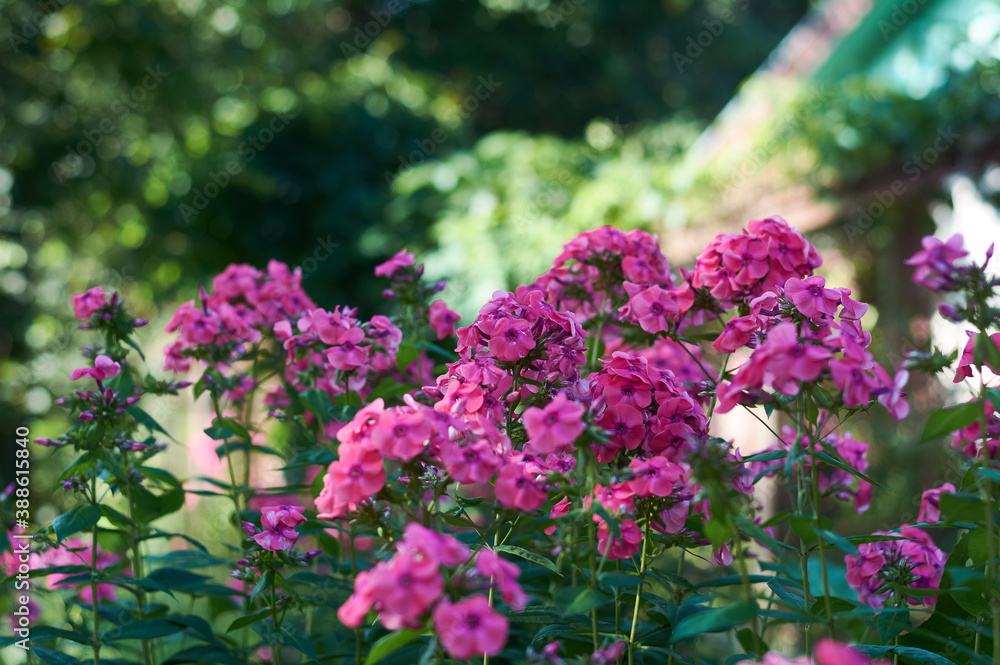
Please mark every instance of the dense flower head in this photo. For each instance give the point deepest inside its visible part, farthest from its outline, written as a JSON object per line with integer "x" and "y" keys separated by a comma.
{"x": 593, "y": 267}
{"x": 643, "y": 408}
{"x": 883, "y": 570}
{"x": 737, "y": 267}
{"x": 244, "y": 302}
{"x": 935, "y": 263}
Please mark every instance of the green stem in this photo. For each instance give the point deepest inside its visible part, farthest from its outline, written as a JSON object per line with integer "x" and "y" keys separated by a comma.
{"x": 354, "y": 576}
{"x": 137, "y": 568}
{"x": 93, "y": 565}
{"x": 592, "y": 541}
{"x": 991, "y": 537}
{"x": 276, "y": 647}
{"x": 827, "y": 602}
{"x": 638, "y": 596}
{"x": 747, "y": 590}
{"x": 496, "y": 537}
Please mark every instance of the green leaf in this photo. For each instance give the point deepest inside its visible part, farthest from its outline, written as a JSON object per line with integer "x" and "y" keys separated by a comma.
{"x": 912, "y": 653}
{"x": 54, "y": 657}
{"x": 715, "y": 620}
{"x": 249, "y": 619}
{"x": 75, "y": 520}
{"x": 145, "y": 629}
{"x": 529, "y": 556}
{"x": 585, "y": 601}
{"x": 838, "y": 541}
{"x": 792, "y": 599}
{"x": 961, "y": 507}
{"x": 389, "y": 388}
{"x": 391, "y": 643}
{"x": 843, "y": 466}
{"x": 205, "y": 654}
{"x": 219, "y": 433}
{"x": 752, "y": 529}
{"x": 406, "y": 354}
{"x": 146, "y": 420}
{"x": 233, "y": 426}
{"x": 950, "y": 419}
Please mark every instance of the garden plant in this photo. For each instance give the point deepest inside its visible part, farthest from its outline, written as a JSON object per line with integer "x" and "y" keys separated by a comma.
{"x": 542, "y": 485}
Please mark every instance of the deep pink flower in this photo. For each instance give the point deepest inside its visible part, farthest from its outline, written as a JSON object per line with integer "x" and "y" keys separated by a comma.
{"x": 511, "y": 339}
{"x": 516, "y": 488}
{"x": 609, "y": 655}
{"x": 473, "y": 463}
{"x": 355, "y": 477}
{"x": 503, "y": 575}
{"x": 624, "y": 425}
{"x": 655, "y": 476}
{"x": 723, "y": 557}
{"x": 738, "y": 331}
{"x": 401, "y": 433}
{"x": 442, "y": 319}
{"x": 892, "y": 398}
{"x": 811, "y": 297}
{"x": 85, "y": 304}
{"x": 104, "y": 368}
{"x": 401, "y": 259}
{"x": 554, "y": 428}
{"x": 279, "y": 524}
{"x": 851, "y": 378}
{"x": 439, "y": 547}
{"x": 470, "y": 627}
{"x": 560, "y": 509}
{"x": 655, "y": 309}
{"x": 915, "y": 556}
{"x": 967, "y": 361}
{"x": 930, "y": 503}
{"x": 619, "y": 548}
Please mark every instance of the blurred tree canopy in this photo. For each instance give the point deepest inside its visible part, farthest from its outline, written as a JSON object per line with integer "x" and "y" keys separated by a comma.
{"x": 145, "y": 145}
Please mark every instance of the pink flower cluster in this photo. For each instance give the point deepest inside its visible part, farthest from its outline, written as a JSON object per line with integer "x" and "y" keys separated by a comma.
{"x": 643, "y": 409}
{"x": 410, "y": 586}
{"x": 244, "y": 302}
{"x": 594, "y": 267}
{"x": 737, "y": 267}
{"x": 913, "y": 561}
{"x": 804, "y": 332}
{"x": 337, "y": 349}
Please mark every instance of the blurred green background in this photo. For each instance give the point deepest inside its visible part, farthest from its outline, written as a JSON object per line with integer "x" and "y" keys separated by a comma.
{"x": 145, "y": 145}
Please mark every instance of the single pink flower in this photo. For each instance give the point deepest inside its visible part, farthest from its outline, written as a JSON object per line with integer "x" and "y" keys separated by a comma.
{"x": 619, "y": 548}
{"x": 511, "y": 339}
{"x": 104, "y": 368}
{"x": 442, "y": 319}
{"x": 560, "y": 509}
{"x": 516, "y": 488}
{"x": 554, "y": 428}
{"x": 624, "y": 425}
{"x": 355, "y": 477}
{"x": 930, "y": 503}
{"x": 738, "y": 332}
{"x": 470, "y": 627}
{"x": 811, "y": 297}
{"x": 654, "y": 477}
{"x": 503, "y": 575}
{"x": 723, "y": 557}
{"x": 401, "y": 259}
{"x": 85, "y": 304}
